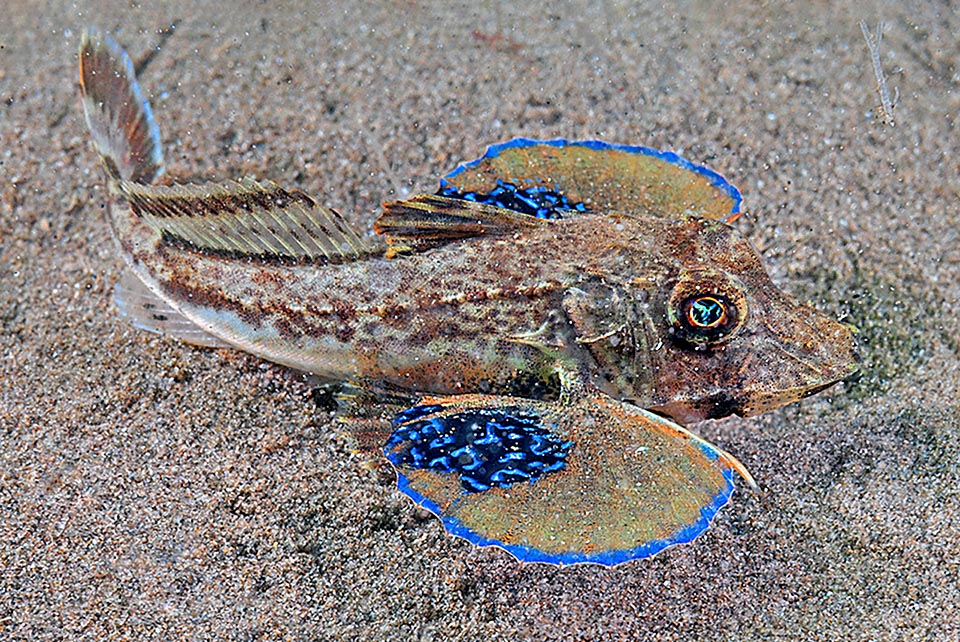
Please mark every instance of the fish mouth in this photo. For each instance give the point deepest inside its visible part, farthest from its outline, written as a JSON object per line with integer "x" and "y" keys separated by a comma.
{"x": 749, "y": 403}
{"x": 814, "y": 390}
{"x": 689, "y": 411}
{"x": 778, "y": 369}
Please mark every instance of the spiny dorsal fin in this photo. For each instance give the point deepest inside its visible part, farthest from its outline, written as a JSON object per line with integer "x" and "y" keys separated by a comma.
{"x": 248, "y": 219}
{"x": 428, "y": 220}
{"x": 118, "y": 116}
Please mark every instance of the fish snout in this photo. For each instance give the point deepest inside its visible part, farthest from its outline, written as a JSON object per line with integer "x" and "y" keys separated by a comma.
{"x": 770, "y": 368}
{"x": 818, "y": 354}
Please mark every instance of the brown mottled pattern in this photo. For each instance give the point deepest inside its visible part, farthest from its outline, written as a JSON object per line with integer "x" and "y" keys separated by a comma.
{"x": 475, "y": 296}
{"x": 591, "y": 291}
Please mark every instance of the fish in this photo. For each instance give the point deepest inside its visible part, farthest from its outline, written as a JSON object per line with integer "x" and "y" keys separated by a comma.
{"x": 537, "y": 333}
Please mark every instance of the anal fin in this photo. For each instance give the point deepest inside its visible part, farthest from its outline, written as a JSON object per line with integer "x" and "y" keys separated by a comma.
{"x": 144, "y": 309}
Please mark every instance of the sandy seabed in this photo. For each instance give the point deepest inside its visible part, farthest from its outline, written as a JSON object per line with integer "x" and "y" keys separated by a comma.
{"x": 150, "y": 490}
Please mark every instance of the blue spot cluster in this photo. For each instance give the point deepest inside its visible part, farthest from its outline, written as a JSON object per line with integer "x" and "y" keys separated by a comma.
{"x": 486, "y": 447}
{"x": 534, "y": 201}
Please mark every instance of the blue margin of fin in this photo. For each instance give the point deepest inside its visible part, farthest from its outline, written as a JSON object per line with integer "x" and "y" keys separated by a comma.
{"x": 717, "y": 180}
{"x": 603, "y": 558}
{"x": 121, "y": 54}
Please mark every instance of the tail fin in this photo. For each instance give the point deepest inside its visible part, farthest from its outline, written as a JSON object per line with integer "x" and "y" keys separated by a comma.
{"x": 118, "y": 116}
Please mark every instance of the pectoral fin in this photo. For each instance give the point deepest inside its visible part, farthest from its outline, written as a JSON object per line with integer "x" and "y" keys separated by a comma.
{"x": 584, "y": 480}
{"x": 601, "y": 177}
{"x": 366, "y": 412}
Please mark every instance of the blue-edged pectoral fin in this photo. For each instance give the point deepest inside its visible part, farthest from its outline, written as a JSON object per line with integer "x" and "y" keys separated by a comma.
{"x": 584, "y": 480}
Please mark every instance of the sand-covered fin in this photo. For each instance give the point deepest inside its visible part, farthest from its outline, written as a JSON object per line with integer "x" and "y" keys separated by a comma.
{"x": 596, "y": 176}
{"x": 247, "y": 219}
{"x": 118, "y": 116}
{"x": 586, "y": 479}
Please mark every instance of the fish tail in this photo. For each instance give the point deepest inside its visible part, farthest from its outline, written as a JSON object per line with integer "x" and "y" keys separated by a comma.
{"x": 118, "y": 115}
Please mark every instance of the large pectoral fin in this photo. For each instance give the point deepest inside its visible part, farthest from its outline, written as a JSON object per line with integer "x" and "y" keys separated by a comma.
{"x": 584, "y": 480}
{"x": 601, "y": 177}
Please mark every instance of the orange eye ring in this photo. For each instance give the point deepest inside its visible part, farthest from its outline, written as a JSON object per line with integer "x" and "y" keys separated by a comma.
{"x": 706, "y": 309}
{"x": 704, "y": 320}
{"x": 706, "y": 312}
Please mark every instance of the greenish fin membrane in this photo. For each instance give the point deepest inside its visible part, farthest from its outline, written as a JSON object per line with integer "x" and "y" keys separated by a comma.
{"x": 585, "y": 480}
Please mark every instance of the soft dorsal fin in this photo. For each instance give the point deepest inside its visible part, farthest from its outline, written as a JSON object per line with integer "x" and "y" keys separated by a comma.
{"x": 428, "y": 220}
{"x": 247, "y": 218}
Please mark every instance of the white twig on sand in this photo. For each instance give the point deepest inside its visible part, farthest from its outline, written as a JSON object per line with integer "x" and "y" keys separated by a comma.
{"x": 873, "y": 43}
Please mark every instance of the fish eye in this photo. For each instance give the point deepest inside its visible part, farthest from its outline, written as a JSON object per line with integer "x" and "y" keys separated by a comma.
{"x": 706, "y": 312}
{"x": 706, "y": 308}
{"x": 705, "y": 319}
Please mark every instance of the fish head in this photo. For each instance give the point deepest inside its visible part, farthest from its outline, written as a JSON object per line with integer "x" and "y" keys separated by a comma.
{"x": 711, "y": 335}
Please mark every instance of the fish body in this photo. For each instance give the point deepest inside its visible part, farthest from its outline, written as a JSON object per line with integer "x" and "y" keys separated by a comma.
{"x": 497, "y": 311}
{"x": 539, "y": 309}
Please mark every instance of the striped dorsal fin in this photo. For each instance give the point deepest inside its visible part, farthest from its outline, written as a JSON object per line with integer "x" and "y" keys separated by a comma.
{"x": 429, "y": 220}
{"x": 247, "y": 219}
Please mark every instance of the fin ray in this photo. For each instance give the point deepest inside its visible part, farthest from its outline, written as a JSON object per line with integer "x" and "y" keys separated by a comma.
{"x": 118, "y": 115}
{"x": 428, "y": 220}
{"x": 587, "y": 479}
{"x": 247, "y": 218}
{"x": 604, "y": 177}
{"x": 144, "y": 309}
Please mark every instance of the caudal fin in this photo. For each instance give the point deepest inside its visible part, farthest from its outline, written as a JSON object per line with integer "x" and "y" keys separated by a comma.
{"x": 118, "y": 115}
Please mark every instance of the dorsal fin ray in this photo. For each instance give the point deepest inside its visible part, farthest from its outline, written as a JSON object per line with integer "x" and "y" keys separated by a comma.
{"x": 247, "y": 218}
{"x": 428, "y": 220}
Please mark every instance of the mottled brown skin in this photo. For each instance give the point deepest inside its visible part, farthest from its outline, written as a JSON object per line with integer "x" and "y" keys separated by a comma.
{"x": 778, "y": 352}
{"x": 590, "y": 293}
